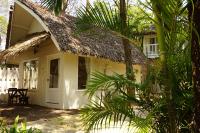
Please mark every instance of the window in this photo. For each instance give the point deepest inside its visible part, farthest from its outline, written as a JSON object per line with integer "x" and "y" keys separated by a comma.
{"x": 152, "y": 40}
{"x": 30, "y": 78}
{"x": 152, "y": 49}
{"x": 53, "y": 81}
{"x": 83, "y": 71}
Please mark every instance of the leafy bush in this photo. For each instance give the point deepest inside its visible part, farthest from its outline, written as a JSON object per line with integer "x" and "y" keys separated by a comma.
{"x": 17, "y": 128}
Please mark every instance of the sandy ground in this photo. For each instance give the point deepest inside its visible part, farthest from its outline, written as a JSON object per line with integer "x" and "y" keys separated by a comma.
{"x": 46, "y": 119}
{"x": 50, "y": 120}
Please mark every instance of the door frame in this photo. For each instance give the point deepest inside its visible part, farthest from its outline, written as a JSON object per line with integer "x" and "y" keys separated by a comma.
{"x": 49, "y": 58}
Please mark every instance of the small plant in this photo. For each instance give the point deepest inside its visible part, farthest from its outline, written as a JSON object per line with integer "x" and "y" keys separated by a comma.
{"x": 16, "y": 128}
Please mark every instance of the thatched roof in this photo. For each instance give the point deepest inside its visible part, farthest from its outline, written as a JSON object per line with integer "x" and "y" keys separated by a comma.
{"x": 28, "y": 42}
{"x": 99, "y": 44}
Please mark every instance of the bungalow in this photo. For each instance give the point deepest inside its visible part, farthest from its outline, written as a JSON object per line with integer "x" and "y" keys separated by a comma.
{"x": 54, "y": 61}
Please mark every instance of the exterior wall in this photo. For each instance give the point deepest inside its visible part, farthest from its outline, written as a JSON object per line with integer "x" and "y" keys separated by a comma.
{"x": 74, "y": 98}
{"x": 109, "y": 67}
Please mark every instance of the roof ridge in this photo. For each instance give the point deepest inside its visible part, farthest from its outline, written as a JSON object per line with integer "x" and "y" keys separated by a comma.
{"x": 36, "y": 5}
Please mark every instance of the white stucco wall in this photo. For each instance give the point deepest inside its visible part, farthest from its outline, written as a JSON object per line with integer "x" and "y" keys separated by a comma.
{"x": 74, "y": 98}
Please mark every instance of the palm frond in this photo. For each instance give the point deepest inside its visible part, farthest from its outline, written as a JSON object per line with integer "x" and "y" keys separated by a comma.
{"x": 53, "y": 5}
{"x": 100, "y": 15}
{"x": 103, "y": 82}
{"x": 103, "y": 15}
{"x": 111, "y": 112}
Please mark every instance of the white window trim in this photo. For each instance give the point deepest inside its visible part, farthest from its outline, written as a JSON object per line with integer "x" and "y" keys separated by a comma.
{"x": 59, "y": 70}
{"x": 88, "y": 76}
{"x": 81, "y": 90}
{"x": 147, "y": 47}
{"x": 28, "y": 60}
{"x": 60, "y": 77}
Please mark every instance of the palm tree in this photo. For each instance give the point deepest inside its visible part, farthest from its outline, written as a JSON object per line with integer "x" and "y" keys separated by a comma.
{"x": 166, "y": 13}
{"x": 159, "y": 7}
{"x": 112, "y": 108}
{"x": 87, "y": 3}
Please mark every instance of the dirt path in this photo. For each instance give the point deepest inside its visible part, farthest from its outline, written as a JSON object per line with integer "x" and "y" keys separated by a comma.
{"x": 46, "y": 119}
{"x": 51, "y": 120}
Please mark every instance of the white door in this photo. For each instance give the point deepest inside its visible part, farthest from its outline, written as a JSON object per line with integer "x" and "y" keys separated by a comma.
{"x": 53, "y": 90}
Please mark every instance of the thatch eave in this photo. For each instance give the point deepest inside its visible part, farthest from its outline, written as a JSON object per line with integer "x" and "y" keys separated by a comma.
{"x": 22, "y": 45}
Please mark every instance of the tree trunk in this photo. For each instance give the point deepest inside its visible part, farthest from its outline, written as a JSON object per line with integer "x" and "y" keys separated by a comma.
{"x": 128, "y": 59}
{"x": 194, "y": 17}
{"x": 87, "y": 3}
{"x": 164, "y": 68}
{"x": 127, "y": 46}
{"x": 65, "y": 6}
{"x": 166, "y": 80}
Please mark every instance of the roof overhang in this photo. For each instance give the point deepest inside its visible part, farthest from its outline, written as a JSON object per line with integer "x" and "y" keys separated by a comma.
{"x": 41, "y": 22}
{"x": 28, "y": 42}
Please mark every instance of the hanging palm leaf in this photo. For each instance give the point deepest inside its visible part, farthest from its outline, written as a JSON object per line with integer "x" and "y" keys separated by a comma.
{"x": 102, "y": 15}
{"x": 53, "y": 5}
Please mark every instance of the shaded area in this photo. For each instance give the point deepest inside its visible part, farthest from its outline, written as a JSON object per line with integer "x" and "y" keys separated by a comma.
{"x": 32, "y": 113}
{"x": 50, "y": 120}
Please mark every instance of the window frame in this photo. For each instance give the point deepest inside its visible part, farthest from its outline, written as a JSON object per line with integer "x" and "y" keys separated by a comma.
{"x": 87, "y": 62}
{"x": 29, "y": 60}
{"x": 151, "y": 49}
{"x": 49, "y": 73}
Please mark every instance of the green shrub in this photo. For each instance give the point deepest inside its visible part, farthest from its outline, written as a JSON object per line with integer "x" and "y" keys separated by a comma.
{"x": 17, "y": 128}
